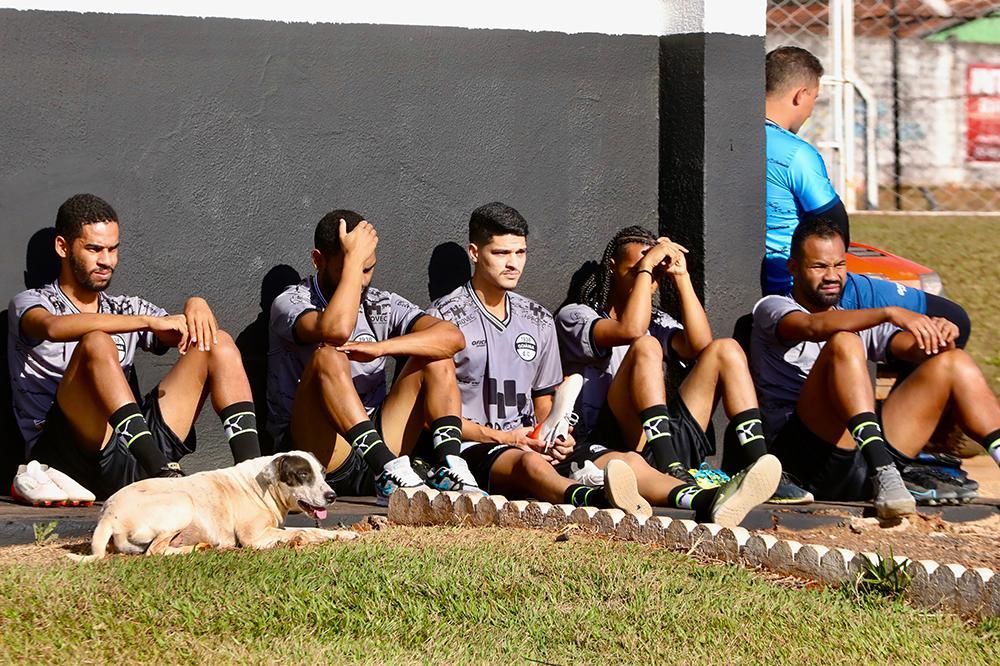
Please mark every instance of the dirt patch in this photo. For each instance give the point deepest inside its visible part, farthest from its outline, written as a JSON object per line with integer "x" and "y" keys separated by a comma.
{"x": 971, "y": 544}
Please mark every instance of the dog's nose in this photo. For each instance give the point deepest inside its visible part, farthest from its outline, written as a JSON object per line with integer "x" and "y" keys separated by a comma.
{"x": 330, "y": 497}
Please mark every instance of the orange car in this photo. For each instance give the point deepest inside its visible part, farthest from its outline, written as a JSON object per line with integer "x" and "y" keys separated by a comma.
{"x": 873, "y": 262}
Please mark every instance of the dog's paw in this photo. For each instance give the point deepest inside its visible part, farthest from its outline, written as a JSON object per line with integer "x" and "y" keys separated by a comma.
{"x": 344, "y": 535}
{"x": 202, "y": 546}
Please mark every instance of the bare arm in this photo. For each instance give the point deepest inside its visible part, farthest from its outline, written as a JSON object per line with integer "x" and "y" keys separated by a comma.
{"x": 430, "y": 338}
{"x": 40, "y": 324}
{"x": 820, "y": 326}
{"x": 905, "y": 346}
{"x": 697, "y": 333}
{"x": 633, "y": 320}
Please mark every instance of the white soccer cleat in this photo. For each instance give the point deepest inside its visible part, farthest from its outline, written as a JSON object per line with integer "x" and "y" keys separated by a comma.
{"x": 561, "y": 418}
{"x": 33, "y": 486}
{"x": 588, "y": 474}
{"x": 77, "y": 494}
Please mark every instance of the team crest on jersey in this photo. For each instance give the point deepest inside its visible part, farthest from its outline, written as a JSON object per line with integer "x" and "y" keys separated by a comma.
{"x": 120, "y": 345}
{"x": 365, "y": 337}
{"x": 526, "y": 347}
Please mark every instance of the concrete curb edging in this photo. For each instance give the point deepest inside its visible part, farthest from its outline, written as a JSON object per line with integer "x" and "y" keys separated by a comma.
{"x": 970, "y": 592}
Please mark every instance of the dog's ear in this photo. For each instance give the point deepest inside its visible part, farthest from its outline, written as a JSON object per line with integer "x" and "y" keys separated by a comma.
{"x": 269, "y": 474}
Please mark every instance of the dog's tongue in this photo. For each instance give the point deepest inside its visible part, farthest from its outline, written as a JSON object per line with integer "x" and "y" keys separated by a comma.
{"x": 320, "y": 514}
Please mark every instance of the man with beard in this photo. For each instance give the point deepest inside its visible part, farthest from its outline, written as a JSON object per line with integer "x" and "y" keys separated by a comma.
{"x": 809, "y": 361}
{"x": 72, "y": 346}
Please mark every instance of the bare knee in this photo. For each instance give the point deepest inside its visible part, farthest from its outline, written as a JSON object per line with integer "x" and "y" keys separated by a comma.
{"x": 726, "y": 351}
{"x": 846, "y": 346}
{"x": 646, "y": 348}
{"x": 224, "y": 347}
{"x": 97, "y": 347}
{"x": 533, "y": 466}
{"x": 956, "y": 364}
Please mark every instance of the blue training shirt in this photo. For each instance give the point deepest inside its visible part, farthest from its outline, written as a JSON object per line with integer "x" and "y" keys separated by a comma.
{"x": 797, "y": 186}
{"x": 863, "y": 292}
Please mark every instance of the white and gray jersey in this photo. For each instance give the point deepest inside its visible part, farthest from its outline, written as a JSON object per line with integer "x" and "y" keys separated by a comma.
{"x": 598, "y": 365}
{"x": 37, "y": 366}
{"x": 381, "y": 315}
{"x": 505, "y": 364}
{"x": 780, "y": 368}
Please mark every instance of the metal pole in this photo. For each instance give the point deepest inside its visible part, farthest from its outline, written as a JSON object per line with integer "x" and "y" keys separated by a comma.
{"x": 896, "y": 162}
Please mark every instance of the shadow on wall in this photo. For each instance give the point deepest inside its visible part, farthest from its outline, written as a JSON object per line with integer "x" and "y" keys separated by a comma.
{"x": 447, "y": 270}
{"x": 41, "y": 266}
{"x": 253, "y": 345}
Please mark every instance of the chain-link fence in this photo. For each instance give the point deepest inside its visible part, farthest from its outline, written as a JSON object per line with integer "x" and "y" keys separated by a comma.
{"x": 919, "y": 81}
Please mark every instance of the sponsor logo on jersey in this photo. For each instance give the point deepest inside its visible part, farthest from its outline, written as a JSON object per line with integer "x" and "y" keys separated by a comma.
{"x": 365, "y": 337}
{"x": 900, "y": 289}
{"x": 526, "y": 347}
{"x": 479, "y": 343}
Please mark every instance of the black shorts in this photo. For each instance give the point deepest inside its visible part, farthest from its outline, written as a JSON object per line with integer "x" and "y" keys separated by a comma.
{"x": 353, "y": 478}
{"x": 114, "y": 467}
{"x": 690, "y": 441}
{"x": 828, "y": 472}
{"x": 582, "y": 452}
{"x": 481, "y": 457}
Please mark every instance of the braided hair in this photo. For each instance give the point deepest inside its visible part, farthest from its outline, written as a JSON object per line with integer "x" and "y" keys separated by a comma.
{"x": 593, "y": 289}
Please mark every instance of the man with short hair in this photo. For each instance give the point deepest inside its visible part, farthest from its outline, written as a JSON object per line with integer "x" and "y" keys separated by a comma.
{"x": 508, "y": 374}
{"x": 330, "y": 336}
{"x": 72, "y": 347}
{"x": 798, "y": 188}
{"x": 809, "y": 361}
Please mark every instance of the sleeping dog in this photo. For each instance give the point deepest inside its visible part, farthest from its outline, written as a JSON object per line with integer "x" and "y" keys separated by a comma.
{"x": 244, "y": 505}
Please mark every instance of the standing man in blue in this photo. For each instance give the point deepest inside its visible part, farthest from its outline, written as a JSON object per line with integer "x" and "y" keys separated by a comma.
{"x": 799, "y": 189}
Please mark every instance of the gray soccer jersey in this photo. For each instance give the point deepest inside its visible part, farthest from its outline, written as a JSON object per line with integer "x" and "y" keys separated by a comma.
{"x": 381, "y": 315}
{"x": 598, "y": 365}
{"x": 37, "y": 366}
{"x": 779, "y": 369}
{"x": 505, "y": 363}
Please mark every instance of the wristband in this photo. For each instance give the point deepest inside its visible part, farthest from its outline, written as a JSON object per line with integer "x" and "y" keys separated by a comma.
{"x": 646, "y": 270}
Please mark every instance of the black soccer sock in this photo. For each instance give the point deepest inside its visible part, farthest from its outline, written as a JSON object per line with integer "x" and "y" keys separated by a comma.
{"x": 659, "y": 438}
{"x": 866, "y": 430}
{"x": 692, "y": 496}
{"x": 447, "y": 438}
{"x": 367, "y": 440}
{"x": 992, "y": 445}
{"x": 747, "y": 431}
{"x": 581, "y": 495}
{"x": 132, "y": 430}
{"x": 240, "y": 423}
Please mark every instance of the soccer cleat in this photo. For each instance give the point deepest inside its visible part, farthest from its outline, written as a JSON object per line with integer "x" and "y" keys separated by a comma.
{"x": 677, "y": 471}
{"x": 707, "y": 476}
{"x": 622, "y": 489}
{"x": 589, "y": 474}
{"x": 931, "y": 487}
{"x": 789, "y": 492}
{"x": 33, "y": 486}
{"x": 892, "y": 499}
{"x": 171, "y": 470}
{"x": 76, "y": 494}
{"x": 745, "y": 490}
{"x": 456, "y": 476}
{"x": 949, "y": 466}
{"x": 396, "y": 474}
{"x": 561, "y": 417}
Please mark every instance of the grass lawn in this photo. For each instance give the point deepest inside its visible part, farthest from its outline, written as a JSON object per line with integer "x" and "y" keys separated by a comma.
{"x": 447, "y": 595}
{"x": 965, "y": 252}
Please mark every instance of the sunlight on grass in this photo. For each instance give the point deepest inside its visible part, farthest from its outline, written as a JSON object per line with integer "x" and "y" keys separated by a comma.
{"x": 448, "y": 595}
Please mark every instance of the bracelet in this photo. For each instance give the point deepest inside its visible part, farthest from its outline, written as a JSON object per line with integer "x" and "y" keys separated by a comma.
{"x": 646, "y": 270}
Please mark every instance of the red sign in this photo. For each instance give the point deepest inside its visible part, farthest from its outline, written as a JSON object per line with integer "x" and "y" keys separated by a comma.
{"x": 983, "y": 112}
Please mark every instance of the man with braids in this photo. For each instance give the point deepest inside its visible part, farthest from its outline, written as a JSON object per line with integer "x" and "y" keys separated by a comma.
{"x": 72, "y": 347}
{"x": 330, "y": 336}
{"x": 508, "y": 373}
{"x": 610, "y": 333}
{"x": 809, "y": 360}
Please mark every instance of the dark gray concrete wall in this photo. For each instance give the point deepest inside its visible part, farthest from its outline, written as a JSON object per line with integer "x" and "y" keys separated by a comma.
{"x": 222, "y": 142}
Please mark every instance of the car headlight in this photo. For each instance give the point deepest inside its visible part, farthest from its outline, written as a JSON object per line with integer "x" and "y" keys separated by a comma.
{"x": 931, "y": 283}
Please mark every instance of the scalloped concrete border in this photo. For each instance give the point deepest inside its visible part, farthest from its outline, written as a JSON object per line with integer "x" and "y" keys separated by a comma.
{"x": 971, "y": 592}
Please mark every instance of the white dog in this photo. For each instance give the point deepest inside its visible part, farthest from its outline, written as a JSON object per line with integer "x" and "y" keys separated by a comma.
{"x": 244, "y": 505}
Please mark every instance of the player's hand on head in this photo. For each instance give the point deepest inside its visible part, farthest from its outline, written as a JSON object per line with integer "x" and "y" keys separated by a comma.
{"x": 171, "y": 330}
{"x": 203, "y": 328}
{"x": 359, "y": 242}
{"x": 362, "y": 352}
